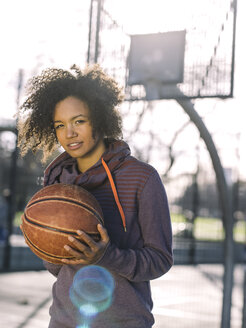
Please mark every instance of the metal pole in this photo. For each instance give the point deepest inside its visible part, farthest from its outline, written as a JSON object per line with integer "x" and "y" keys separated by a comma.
{"x": 89, "y": 36}
{"x": 195, "y": 206}
{"x": 97, "y": 44}
{"x": 226, "y": 204}
{"x": 12, "y": 189}
{"x": 11, "y": 209}
{"x": 234, "y": 6}
{"x": 244, "y": 297}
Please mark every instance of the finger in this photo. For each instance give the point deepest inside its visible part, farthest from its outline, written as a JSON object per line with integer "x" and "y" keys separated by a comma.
{"x": 74, "y": 252}
{"x": 87, "y": 239}
{"x": 78, "y": 244}
{"x": 74, "y": 262}
{"x": 104, "y": 234}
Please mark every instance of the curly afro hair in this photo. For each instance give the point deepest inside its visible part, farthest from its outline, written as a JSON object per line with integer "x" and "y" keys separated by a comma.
{"x": 35, "y": 117}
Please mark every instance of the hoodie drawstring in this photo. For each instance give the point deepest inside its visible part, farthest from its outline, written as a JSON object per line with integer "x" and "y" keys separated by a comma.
{"x": 112, "y": 184}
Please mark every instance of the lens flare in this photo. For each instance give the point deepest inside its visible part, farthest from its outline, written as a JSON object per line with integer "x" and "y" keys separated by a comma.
{"x": 91, "y": 291}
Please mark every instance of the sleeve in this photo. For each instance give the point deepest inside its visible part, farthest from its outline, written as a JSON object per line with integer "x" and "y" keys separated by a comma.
{"x": 52, "y": 268}
{"x": 155, "y": 258}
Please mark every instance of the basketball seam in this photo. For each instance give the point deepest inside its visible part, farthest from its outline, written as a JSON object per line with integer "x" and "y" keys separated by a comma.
{"x": 45, "y": 253}
{"x": 40, "y": 194}
{"x": 68, "y": 232}
{"x": 67, "y": 200}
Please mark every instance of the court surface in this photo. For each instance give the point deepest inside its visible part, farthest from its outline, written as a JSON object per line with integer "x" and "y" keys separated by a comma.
{"x": 188, "y": 296}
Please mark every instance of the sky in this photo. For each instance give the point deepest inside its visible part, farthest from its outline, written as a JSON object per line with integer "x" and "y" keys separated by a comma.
{"x": 35, "y": 35}
{"x": 39, "y": 34}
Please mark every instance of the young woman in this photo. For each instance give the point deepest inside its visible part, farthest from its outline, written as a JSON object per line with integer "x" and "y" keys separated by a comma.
{"x": 78, "y": 111}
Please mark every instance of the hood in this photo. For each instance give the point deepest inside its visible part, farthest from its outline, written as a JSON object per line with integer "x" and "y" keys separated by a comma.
{"x": 64, "y": 168}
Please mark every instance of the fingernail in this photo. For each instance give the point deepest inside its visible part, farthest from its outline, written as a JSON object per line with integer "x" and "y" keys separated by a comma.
{"x": 79, "y": 232}
{"x": 66, "y": 247}
{"x": 70, "y": 238}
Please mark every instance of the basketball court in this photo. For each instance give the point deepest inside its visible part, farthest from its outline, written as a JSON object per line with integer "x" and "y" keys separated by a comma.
{"x": 187, "y": 296}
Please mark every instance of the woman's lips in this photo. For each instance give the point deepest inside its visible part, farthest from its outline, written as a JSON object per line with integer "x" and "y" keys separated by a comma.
{"x": 74, "y": 145}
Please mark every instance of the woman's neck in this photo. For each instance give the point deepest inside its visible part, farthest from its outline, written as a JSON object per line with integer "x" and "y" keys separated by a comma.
{"x": 92, "y": 157}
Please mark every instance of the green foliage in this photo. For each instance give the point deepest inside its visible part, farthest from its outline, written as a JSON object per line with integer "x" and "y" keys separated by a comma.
{"x": 210, "y": 229}
{"x": 17, "y": 219}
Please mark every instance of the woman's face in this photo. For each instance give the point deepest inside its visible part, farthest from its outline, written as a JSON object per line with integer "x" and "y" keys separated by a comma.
{"x": 74, "y": 132}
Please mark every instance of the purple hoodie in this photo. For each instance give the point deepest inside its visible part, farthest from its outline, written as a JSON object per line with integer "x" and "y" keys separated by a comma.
{"x": 134, "y": 257}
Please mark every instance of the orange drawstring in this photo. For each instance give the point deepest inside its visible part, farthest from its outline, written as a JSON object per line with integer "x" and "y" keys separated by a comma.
{"x": 122, "y": 214}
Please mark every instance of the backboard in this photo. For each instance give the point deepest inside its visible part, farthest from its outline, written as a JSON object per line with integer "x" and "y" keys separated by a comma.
{"x": 158, "y": 57}
{"x": 205, "y": 31}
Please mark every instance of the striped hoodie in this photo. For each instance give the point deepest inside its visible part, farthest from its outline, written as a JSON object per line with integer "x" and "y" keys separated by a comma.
{"x": 134, "y": 257}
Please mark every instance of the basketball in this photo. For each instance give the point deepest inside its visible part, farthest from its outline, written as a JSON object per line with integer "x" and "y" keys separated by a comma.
{"x": 54, "y": 213}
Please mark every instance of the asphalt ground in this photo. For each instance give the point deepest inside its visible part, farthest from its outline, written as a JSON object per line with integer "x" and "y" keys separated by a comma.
{"x": 186, "y": 297}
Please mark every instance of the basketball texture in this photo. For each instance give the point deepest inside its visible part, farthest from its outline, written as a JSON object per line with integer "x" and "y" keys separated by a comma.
{"x": 54, "y": 213}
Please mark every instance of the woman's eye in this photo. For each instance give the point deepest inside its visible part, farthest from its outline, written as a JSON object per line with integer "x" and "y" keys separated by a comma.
{"x": 80, "y": 121}
{"x": 58, "y": 126}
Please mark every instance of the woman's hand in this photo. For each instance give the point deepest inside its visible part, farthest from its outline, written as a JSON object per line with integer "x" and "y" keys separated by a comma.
{"x": 88, "y": 251}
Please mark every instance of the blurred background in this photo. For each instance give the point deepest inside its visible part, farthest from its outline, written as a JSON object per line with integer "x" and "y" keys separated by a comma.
{"x": 182, "y": 66}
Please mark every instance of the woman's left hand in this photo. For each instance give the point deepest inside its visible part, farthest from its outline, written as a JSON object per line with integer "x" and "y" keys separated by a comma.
{"x": 88, "y": 251}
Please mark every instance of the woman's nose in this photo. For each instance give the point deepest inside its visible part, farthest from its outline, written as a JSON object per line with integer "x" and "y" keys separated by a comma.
{"x": 70, "y": 132}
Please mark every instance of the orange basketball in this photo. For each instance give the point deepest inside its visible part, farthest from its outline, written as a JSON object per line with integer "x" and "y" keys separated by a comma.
{"x": 54, "y": 213}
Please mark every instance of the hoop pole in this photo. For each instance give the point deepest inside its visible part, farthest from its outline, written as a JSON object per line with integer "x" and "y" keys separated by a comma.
{"x": 234, "y": 6}
{"x": 226, "y": 205}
